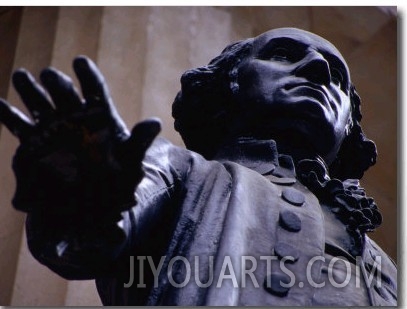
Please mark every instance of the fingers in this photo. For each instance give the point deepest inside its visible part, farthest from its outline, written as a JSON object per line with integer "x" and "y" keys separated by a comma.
{"x": 94, "y": 88}
{"x": 15, "y": 121}
{"x": 32, "y": 95}
{"x": 64, "y": 96}
{"x": 63, "y": 93}
{"x": 143, "y": 134}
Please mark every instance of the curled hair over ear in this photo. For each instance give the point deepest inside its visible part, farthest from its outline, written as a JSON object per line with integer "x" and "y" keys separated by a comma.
{"x": 357, "y": 152}
{"x": 203, "y": 108}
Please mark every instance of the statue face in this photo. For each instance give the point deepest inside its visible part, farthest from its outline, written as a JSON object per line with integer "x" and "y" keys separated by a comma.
{"x": 296, "y": 85}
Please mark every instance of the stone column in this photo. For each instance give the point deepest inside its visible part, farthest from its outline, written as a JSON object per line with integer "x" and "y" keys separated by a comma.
{"x": 33, "y": 51}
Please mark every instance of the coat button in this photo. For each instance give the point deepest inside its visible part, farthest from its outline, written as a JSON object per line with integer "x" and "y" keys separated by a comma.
{"x": 293, "y": 196}
{"x": 285, "y": 250}
{"x": 290, "y": 221}
{"x": 281, "y": 181}
{"x": 273, "y": 283}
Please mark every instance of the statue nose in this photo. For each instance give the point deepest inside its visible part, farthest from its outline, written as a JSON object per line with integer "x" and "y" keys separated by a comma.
{"x": 316, "y": 70}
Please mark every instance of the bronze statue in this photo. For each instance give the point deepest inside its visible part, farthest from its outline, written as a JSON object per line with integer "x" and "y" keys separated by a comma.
{"x": 264, "y": 208}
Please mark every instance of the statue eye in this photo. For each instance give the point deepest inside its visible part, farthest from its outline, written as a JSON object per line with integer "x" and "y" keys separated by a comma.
{"x": 281, "y": 54}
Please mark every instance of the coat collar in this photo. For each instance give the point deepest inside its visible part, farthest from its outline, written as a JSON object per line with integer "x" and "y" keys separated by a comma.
{"x": 259, "y": 155}
{"x": 262, "y": 156}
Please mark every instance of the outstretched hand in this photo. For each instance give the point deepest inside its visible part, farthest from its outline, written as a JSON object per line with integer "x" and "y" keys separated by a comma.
{"x": 76, "y": 158}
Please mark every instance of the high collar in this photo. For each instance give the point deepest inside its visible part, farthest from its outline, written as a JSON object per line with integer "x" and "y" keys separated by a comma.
{"x": 262, "y": 156}
{"x": 259, "y": 155}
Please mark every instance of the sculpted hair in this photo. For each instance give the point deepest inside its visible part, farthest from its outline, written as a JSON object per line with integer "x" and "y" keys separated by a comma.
{"x": 205, "y": 106}
{"x": 357, "y": 152}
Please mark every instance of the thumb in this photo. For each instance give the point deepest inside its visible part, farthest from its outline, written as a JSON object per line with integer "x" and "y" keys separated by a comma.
{"x": 143, "y": 134}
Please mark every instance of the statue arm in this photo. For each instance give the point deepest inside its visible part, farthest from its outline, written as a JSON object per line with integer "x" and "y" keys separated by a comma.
{"x": 91, "y": 251}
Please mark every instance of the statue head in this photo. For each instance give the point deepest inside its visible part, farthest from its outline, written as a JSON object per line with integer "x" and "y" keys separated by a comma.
{"x": 286, "y": 84}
